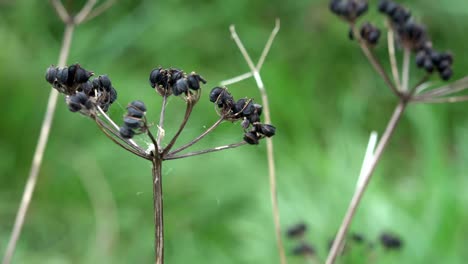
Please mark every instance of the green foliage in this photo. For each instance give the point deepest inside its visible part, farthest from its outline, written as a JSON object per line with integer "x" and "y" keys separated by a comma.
{"x": 93, "y": 202}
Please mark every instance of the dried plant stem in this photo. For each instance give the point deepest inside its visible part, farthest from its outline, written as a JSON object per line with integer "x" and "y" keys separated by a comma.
{"x": 200, "y": 152}
{"x": 70, "y": 24}
{"x": 453, "y": 99}
{"x": 236, "y": 79}
{"x": 114, "y": 124}
{"x": 359, "y": 192}
{"x": 158, "y": 210}
{"x": 188, "y": 111}
{"x": 270, "y": 150}
{"x": 191, "y": 143}
{"x": 392, "y": 56}
{"x": 39, "y": 152}
{"x": 161, "y": 132}
{"x": 406, "y": 69}
{"x": 374, "y": 61}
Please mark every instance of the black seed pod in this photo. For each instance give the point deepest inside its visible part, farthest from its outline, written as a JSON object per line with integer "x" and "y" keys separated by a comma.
{"x": 248, "y": 109}
{"x": 297, "y": 230}
{"x": 82, "y": 98}
{"x": 428, "y": 65}
{"x": 113, "y": 95}
{"x": 139, "y": 105}
{"x": 420, "y": 58}
{"x": 215, "y": 93}
{"x": 155, "y": 77}
{"x": 105, "y": 82}
{"x": 239, "y": 106}
{"x": 251, "y": 138}
{"x": 86, "y": 88}
{"x": 180, "y": 87}
{"x": 82, "y": 75}
{"x": 358, "y": 238}
{"x": 74, "y": 103}
{"x": 268, "y": 130}
{"x": 446, "y": 74}
{"x": 258, "y": 109}
{"x": 303, "y": 249}
{"x": 51, "y": 74}
{"x": 390, "y": 241}
{"x": 254, "y": 118}
{"x": 245, "y": 123}
{"x": 71, "y": 73}
{"x": 96, "y": 84}
{"x": 133, "y": 112}
{"x": 62, "y": 75}
{"x": 193, "y": 82}
{"x": 132, "y": 122}
{"x": 126, "y": 132}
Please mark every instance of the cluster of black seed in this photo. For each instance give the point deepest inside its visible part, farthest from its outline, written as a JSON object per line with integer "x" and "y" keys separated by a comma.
{"x": 83, "y": 94}
{"x": 370, "y": 33}
{"x": 415, "y": 37}
{"x": 302, "y": 248}
{"x": 245, "y": 110}
{"x": 349, "y": 10}
{"x": 134, "y": 119}
{"x": 174, "y": 81}
{"x": 431, "y": 60}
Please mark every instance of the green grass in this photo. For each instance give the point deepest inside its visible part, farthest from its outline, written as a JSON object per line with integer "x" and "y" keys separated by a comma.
{"x": 325, "y": 100}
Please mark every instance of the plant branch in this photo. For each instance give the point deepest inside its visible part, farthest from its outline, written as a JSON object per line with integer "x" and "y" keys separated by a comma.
{"x": 191, "y": 143}
{"x": 268, "y": 45}
{"x": 106, "y": 116}
{"x": 161, "y": 132}
{"x": 84, "y": 12}
{"x": 367, "y": 175}
{"x": 105, "y": 129}
{"x": 392, "y": 56}
{"x": 200, "y": 152}
{"x": 453, "y": 99}
{"x": 99, "y": 10}
{"x": 39, "y": 151}
{"x": 457, "y": 86}
{"x": 236, "y": 79}
{"x": 374, "y": 61}
{"x": 406, "y": 69}
{"x": 61, "y": 11}
{"x": 158, "y": 211}
{"x": 269, "y": 141}
{"x": 188, "y": 111}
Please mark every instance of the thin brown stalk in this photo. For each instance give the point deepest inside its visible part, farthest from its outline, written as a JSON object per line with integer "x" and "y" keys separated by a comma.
{"x": 406, "y": 69}
{"x": 236, "y": 79}
{"x": 200, "y": 152}
{"x": 359, "y": 192}
{"x": 160, "y": 134}
{"x": 191, "y": 143}
{"x": 38, "y": 153}
{"x": 393, "y": 59}
{"x": 158, "y": 210}
{"x": 99, "y": 10}
{"x": 375, "y": 62}
{"x": 457, "y": 86}
{"x": 84, "y": 12}
{"x": 188, "y": 111}
{"x": 70, "y": 25}
{"x": 111, "y": 134}
{"x": 270, "y": 150}
{"x": 453, "y": 99}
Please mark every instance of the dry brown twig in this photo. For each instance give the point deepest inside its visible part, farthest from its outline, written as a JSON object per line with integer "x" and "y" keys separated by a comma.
{"x": 70, "y": 24}
{"x": 255, "y": 73}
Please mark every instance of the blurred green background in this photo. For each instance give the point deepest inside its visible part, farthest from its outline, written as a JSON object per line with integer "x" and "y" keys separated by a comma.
{"x": 93, "y": 202}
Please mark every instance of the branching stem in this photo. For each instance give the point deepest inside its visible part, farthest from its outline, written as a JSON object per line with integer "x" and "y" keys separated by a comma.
{"x": 367, "y": 175}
